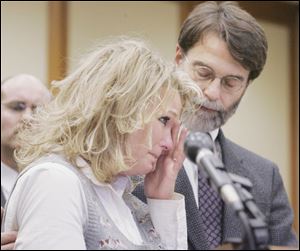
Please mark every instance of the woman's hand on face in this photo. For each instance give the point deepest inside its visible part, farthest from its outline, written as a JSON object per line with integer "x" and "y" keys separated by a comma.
{"x": 160, "y": 183}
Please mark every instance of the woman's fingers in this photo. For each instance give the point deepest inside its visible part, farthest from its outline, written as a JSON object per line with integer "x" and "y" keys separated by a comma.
{"x": 9, "y": 246}
{"x": 179, "y": 148}
{"x": 8, "y": 239}
{"x": 182, "y": 137}
{"x": 175, "y": 132}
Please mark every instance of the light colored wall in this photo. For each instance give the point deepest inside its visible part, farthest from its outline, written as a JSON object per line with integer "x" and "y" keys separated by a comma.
{"x": 157, "y": 22}
{"x": 262, "y": 121}
{"x": 24, "y": 38}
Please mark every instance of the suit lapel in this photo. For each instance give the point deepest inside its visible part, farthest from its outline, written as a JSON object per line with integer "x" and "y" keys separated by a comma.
{"x": 196, "y": 232}
{"x": 232, "y": 228}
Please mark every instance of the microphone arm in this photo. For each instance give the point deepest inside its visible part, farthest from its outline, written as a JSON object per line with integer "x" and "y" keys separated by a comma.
{"x": 256, "y": 220}
{"x": 232, "y": 189}
{"x": 198, "y": 148}
{"x": 218, "y": 178}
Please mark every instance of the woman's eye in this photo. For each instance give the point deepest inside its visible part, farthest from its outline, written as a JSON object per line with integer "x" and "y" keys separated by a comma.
{"x": 164, "y": 120}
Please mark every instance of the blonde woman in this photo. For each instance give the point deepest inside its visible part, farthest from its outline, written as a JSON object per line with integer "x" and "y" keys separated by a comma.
{"x": 116, "y": 116}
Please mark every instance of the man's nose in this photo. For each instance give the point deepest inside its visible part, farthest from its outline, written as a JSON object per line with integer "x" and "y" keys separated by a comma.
{"x": 213, "y": 90}
{"x": 27, "y": 115}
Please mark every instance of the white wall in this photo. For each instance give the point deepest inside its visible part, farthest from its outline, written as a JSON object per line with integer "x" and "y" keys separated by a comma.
{"x": 89, "y": 22}
{"x": 24, "y": 38}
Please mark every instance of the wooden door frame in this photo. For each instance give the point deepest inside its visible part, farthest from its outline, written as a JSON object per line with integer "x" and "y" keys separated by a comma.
{"x": 57, "y": 40}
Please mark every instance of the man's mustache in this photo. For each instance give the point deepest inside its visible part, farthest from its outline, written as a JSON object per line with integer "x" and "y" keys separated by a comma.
{"x": 212, "y": 105}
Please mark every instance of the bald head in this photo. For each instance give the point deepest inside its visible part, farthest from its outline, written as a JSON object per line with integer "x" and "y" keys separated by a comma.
{"x": 22, "y": 85}
{"x": 20, "y": 95}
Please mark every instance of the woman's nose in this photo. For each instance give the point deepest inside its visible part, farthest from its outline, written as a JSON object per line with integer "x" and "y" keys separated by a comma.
{"x": 167, "y": 142}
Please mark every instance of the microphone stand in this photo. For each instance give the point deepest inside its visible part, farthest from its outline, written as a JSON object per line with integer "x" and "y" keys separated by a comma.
{"x": 232, "y": 189}
{"x": 254, "y": 222}
{"x": 256, "y": 230}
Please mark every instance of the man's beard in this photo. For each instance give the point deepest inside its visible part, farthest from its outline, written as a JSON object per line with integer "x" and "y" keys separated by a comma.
{"x": 206, "y": 121}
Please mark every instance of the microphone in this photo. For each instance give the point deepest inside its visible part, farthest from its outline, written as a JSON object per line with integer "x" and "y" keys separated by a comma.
{"x": 198, "y": 147}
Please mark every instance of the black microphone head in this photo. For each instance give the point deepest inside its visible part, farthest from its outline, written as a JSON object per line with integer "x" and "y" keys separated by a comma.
{"x": 195, "y": 142}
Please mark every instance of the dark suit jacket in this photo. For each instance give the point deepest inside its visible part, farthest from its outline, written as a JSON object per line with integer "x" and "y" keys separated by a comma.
{"x": 268, "y": 192}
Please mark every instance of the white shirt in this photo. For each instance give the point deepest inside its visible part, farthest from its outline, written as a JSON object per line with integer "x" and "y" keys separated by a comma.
{"x": 192, "y": 169}
{"x": 49, "y": 209}
{"x": 8, "y": 179}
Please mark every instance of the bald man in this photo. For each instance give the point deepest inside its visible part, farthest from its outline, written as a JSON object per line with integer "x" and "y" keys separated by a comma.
{"x": 20, "y": 95}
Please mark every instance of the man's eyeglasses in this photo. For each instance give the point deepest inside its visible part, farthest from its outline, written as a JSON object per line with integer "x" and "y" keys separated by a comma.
{"x": 205, "y": 76}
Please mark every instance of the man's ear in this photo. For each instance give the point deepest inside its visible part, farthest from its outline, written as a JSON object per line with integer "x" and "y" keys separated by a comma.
{"x": 178, "y": 56}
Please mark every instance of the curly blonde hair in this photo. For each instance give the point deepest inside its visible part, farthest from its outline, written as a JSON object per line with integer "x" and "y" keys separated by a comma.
{"x": 108, "y": 97}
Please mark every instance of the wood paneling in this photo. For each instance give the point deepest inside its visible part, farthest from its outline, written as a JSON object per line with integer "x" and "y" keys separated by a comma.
{"x": 57, "y": 40}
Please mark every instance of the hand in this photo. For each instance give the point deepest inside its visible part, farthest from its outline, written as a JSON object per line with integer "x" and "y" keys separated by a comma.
{"x": 160, "y": 184}
{"x": 7, "y": 239}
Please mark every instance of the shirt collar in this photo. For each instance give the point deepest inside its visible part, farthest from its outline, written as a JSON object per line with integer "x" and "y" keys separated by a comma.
{"x": 120, "y": 184}
{"x": 214, "y": 134}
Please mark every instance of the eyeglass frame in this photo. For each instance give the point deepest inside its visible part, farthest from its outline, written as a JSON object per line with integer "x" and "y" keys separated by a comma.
{"x": 240, "y": 79}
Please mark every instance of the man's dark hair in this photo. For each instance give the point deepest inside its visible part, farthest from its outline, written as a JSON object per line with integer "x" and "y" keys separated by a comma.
{"x": 243, "y": 35}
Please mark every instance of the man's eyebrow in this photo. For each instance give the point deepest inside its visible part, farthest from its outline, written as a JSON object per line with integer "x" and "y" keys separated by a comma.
{"x": 201, "y": 63}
